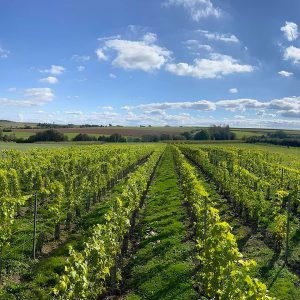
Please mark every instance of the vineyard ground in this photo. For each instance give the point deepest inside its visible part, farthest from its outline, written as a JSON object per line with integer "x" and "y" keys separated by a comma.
{"x": 162, "y": 266}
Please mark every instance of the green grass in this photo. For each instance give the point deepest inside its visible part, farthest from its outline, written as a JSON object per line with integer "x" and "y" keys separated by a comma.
{"x": 162, "y": 267}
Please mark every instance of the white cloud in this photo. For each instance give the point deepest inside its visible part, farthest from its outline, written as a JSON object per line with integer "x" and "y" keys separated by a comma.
{"x": 195, "y": 45}
{"x": 286, "y": 103}
{"x": 150, "y": 38}
{"x": 112, "y": 37}
{"x": 285, "y": 73}
{"x": 50, "y": 80}
{"x": 136, "y": 55}
{"x": 290, "y": 31}
{"x": 31, "y": 97}
{"x": 54, "y": 70}
{"x": 240, "y": 104}
{"x": 101, "y": 55}
{"x": 80, "y": 68}
{"x": 12, "y": 89}
{"x": 198, "y": 9}
{"x": 217, "y": 65}
{"x": 4, "y": 53}
{"x": 112, "y": 76}
{"x": 292, "y": 53}
{"x": 264, "y": 114}
{"x": 74, "y": 112}
{"x": 203, "y": 105}
{"x": 291, "y": 113}
{"x": 39, "y": 95}
{"x": 110, "y": 108}
{"x": 21, "y": 117}
{"x": 284, "y": 106}
{"x": 80, "y": 58}
{"x": 73, "y": 97}
{"x": 215, "y": 36}
{"x": 233, "y": 90}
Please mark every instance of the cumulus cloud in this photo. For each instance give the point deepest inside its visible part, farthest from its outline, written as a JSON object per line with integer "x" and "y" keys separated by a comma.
{"x": 101, "y": 55}
{"x": 198, "y": 9}
{"x": 150, "y": 38}
{"x": 233, "y": 90}
{"x": 80, "y": 68}
{"x": 73, "y": 97}
{"x": 215, "y": 36}
{"x": 31, "y": 97}
{"x": 54, "y": 70}
{"x": 291, "y": 113}
{"x": 4, "y": 53}
{"x": 112, "y": 76}
{"x": 194, "y": 45}
{"x": 292, "y": 53}
{"x": 287, "y": 106}
{"x": 80, "y": 58}
{"x": 286, "y": 103}
{"x": 50, "y": 80}
{"x": 290, "y": 31}
{"x": 110, "y": 108}
{"x": 217, "y": 65}
{"x": 285, "y": 73}
{"x": 136, "y": 55}
{"x": 240, "y": 104}
{"x": 74, "y": 112}
{"x": 203, "y": 105}
{"x": 112, "y": 37}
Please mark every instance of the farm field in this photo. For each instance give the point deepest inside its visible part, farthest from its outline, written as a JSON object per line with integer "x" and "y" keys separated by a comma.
{"x": 149, "y": 221}
{"x": 128, "y": 131}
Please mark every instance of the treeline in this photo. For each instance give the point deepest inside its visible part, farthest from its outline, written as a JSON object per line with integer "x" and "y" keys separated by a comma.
{"x": 214, "y": 132}
{"x": 53, "y": 135}
{"x": 7, "y": 136}
{"x": 279, "y": 137}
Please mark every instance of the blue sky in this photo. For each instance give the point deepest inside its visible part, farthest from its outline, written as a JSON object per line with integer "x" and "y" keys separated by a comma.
{"x": 140, "y": 62}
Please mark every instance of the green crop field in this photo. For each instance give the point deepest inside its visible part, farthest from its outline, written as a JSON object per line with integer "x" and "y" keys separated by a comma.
{"x": 149, "y": 221}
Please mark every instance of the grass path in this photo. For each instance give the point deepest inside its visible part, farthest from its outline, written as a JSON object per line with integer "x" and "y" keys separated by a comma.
{"x": 162, "y": 266}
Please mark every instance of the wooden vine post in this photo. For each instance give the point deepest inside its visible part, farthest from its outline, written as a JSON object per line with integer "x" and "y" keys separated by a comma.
{"x": 34, "y": 226}
{"x": 205, "y": 219}
{"x": 287, "y": 228}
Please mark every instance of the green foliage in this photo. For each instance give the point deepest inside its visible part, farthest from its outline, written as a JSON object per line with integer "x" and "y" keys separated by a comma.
{"x": 86, "y": 272}
{"x": 223, "y": 273}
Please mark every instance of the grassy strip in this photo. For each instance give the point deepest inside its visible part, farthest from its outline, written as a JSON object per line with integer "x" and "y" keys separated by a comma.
{"x": 162, "y": 267}
{"x": 281, "y": 283}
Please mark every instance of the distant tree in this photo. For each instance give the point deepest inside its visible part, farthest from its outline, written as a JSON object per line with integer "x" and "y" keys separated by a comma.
{"x": 50, "y": 135}
{"x": 116, "y": 138}
{"x": 178, "y": 137}
{"x": 221, "y": 133}
{"x": 280, "y": 134}
{"x": 203, "y": 134}
{"x": 150, "y": 138}
{"x": 165, "y": 137}
{"x": 102, "y": 138}
{"x": 188, "y": 135}
{"x": 84, "y": 137}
